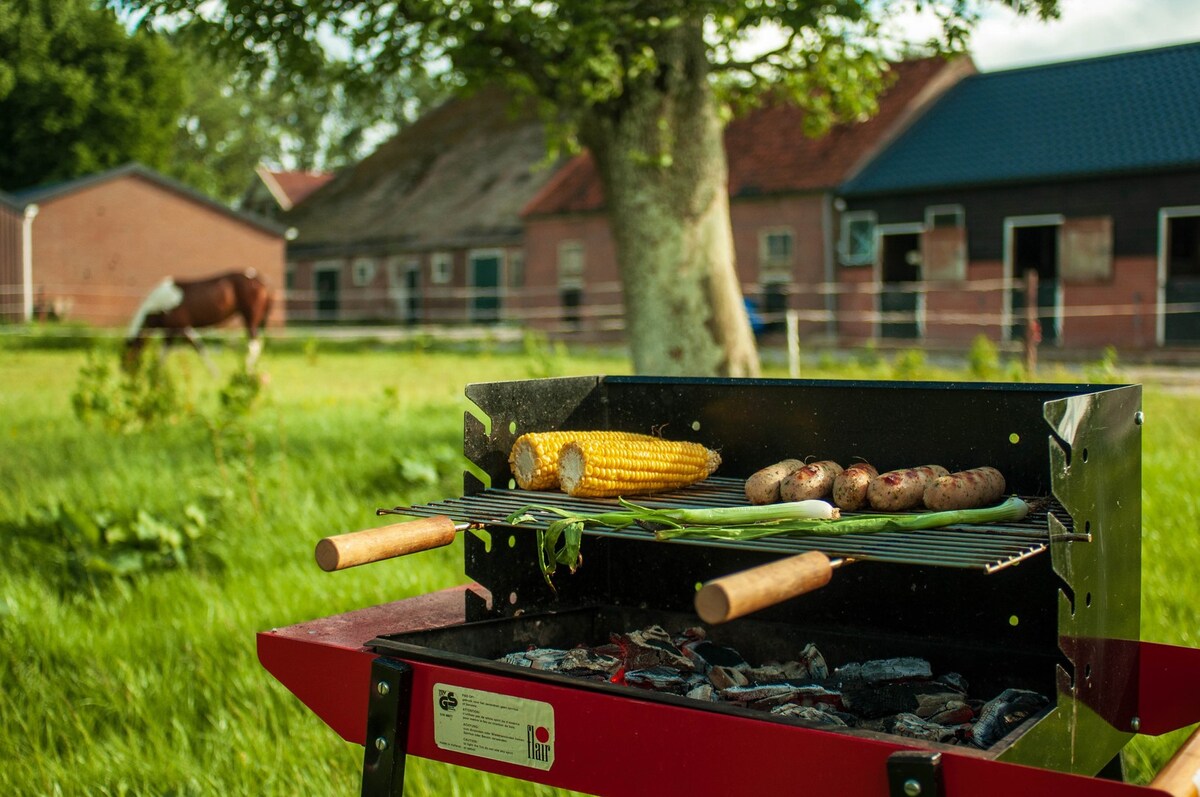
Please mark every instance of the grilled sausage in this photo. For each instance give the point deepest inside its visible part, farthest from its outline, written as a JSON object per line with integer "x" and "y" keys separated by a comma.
{"x": 965, "y": 490}
{"x": 763, "y": 486}
{"x": 897, "y": 490}
{"x": 814, "y": 480}
{"x": 850, "y": 486}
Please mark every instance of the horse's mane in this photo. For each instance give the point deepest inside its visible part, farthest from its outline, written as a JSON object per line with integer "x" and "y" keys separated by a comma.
{"x": 165, "y": 296}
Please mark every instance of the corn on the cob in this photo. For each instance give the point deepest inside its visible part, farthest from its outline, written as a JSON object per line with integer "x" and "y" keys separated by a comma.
{"x": 629, "y": 467}
{"x": 534, "y": 456}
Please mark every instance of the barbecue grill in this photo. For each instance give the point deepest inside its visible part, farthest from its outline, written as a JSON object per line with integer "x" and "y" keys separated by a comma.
{"x": 1049, "y": 604}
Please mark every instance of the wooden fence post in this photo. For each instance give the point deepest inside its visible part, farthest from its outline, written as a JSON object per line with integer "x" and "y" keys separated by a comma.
{"x": 1033, "y": 328}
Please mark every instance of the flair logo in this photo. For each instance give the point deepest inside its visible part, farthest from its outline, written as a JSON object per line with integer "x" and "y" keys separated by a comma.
{"x": 537, "y": 740}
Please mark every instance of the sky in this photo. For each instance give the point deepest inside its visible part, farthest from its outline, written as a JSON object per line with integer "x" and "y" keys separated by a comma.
{"x": 1086, "y": 28}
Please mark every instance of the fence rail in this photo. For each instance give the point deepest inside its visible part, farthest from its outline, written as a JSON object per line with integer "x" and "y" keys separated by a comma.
{"x": 815, "y": 309}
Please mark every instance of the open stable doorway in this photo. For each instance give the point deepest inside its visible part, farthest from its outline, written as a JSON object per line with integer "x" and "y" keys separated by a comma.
{"x": 1033, "y": 245}
{"x": 1179, "y": 275}
{"x": 900, "y": 300}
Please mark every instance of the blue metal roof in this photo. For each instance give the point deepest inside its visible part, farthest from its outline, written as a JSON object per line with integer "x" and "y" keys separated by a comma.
{"x": 1131, "y": 112}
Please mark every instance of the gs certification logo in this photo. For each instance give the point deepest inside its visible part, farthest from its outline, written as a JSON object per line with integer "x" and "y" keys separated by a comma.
{"x": 446, "y": 700}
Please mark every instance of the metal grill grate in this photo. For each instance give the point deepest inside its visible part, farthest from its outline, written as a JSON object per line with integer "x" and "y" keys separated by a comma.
{"x": 985, "y": 547}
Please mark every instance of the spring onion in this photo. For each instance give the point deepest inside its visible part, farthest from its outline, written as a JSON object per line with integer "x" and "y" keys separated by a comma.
{"x": 1013, "y": 509}
{"x": 560, "y": 542}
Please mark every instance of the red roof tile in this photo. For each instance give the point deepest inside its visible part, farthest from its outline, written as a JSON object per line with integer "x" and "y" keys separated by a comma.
{"x": 296, "y": 185}
{"x": 768, "y": 152}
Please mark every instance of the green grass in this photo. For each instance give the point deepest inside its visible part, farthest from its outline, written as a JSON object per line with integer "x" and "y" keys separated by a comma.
{"x": 150, "y": 685}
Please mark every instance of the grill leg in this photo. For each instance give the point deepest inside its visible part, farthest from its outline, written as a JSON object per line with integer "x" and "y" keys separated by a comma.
{"x": 914, "y": 773}
{"x": 387, "y": 728}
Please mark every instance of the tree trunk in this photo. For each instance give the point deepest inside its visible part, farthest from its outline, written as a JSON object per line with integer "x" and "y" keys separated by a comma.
{"x": 660, "y": 153}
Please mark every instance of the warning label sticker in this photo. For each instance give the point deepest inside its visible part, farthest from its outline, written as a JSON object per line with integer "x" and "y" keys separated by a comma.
{"x": 495, "y": 726}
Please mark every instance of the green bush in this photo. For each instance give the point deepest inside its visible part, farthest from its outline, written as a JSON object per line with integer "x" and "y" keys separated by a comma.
{"x": 983, "y": 360}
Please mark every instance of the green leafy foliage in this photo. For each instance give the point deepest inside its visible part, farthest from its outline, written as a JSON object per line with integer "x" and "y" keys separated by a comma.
{"x": 102, "y": 544}
{"x": 78, "y": 94}
{"x": 983, "y": 359}
{"x": 126, "y": 401}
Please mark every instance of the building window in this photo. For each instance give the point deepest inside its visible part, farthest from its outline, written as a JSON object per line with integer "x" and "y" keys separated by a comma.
{"x": 941, "y": 216}
{"x": 363, "y": 271}
{"x": 570, "y": 280}
{"x": 775, "y": 255}
{"x": 516, "y": 269}
{"x": 856, "y": 246}
{"x": 570, "y": 263}
{"x": 441, "y": 268}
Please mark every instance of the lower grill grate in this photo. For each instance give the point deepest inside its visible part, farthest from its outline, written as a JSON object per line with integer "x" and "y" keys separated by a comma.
{"x": 971, "y": 546}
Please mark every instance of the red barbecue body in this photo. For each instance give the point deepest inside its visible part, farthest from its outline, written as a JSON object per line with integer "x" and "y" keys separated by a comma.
{"x": 623, "y": 742}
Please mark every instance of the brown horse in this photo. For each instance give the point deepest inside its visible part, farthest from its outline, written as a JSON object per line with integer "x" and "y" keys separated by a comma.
{"x": 177, "y": 308}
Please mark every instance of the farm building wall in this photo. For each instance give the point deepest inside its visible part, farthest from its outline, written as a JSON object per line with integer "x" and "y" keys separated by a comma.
{"x": 12, "y": 283}
{"x": 1117, "y": 309}
{"x": 773, "y": 279}
{"x": 392, "y": 285}
{"x": 100, "y": 248}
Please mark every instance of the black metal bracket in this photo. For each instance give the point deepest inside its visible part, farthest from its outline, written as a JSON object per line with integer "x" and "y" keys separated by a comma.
{"x": 387, "y": 728}
{"x": 914, "y": 773}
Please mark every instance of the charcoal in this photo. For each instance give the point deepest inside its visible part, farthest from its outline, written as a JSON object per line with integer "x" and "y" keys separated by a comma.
{"x": 898, "y": 696}
{"x": 1003, "y": 713}
{"x": 913, "y": 727}
{"x": 726, "y": 677}
{"x": 581, "y": 662}
{"x": 814, "y": 663}
{"x": 537, "y": 658}
{"x": 953, "y": 681}
{"x": 660, "y": 679}
{"x": 641, "y": 650}
{"x": 880, "y": 671}
{"x": 776, "y": 671}
{"x": 881, "y": 700}
{"x": 768, "y": 695}
{"x": 935, "y": 702}
{"x": 705, "y": 655}
{"x": 809, "y": 714}
{"x": 954, "y": 714}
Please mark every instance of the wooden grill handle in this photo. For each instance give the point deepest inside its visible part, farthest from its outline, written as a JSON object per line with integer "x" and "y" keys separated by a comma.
{"x": 1178, "y": 777}
{"x": 373, "y": 545}
{"x": 741, "y": 593}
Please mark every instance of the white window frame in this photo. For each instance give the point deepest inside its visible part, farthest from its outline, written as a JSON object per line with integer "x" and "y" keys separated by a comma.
{"x": 363, "y": 271}
{"x": 775, "y": 270}
{"x": 441, "y": 268}
{"x": 501, "y": 285}
{"x": 847, "y": 219}
{"x": 933, "y": 211}
{"x": 909, "y": 228}
{"x": 1160, "y": 315}
{"x": 1006, "y": 312}
{"x": 570, "y": 274}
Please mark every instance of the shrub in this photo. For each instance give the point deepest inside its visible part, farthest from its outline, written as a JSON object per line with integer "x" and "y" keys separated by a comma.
{"x": 983, "y": 360}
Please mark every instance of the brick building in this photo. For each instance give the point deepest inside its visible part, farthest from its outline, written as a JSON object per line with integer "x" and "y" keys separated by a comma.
{"x": 100, "y": 243}
{"x": 781, "y": 187}
{"x": 427, "y": 228}
{"x": 1084, "y": 173}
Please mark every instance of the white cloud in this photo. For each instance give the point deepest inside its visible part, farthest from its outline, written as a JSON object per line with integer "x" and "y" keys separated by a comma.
{"x": 1085, "y": 28}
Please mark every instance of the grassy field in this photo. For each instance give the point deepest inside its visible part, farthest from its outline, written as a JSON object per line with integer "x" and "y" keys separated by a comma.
{"x": 138, "y": 566}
